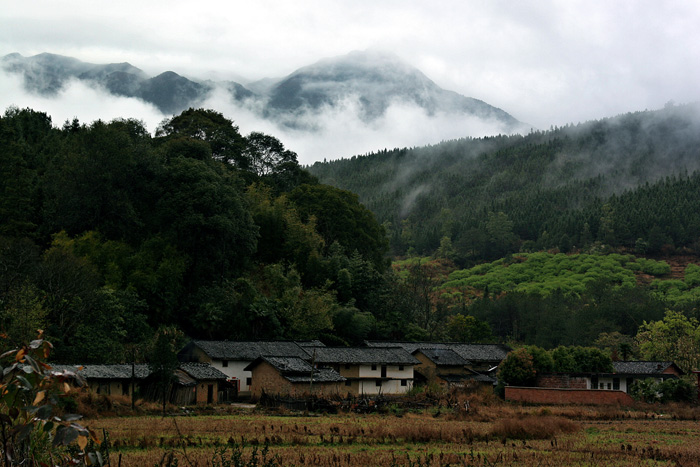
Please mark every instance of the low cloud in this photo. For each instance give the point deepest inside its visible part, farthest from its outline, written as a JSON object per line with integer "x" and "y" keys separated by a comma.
{"x": 77, "y": 100}
{"x": 340, "y": 130}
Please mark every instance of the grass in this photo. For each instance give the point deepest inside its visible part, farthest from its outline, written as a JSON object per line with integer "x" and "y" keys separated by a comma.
{"x": 492, "y": 434}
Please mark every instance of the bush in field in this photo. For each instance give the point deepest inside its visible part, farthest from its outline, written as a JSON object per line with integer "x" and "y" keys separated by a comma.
{"x": 541, "y": 427}
{"x": 33, "y": 431}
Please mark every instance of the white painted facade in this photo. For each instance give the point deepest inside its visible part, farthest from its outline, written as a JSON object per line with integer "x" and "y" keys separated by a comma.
{"x": 378, "y": 379}
{"x": 235, "y": 369}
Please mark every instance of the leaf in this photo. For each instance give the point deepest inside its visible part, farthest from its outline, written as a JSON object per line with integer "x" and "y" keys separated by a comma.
{"x": 66, "y": 388}
{"x": 48, "y": 426}
{"x": 33, "y": 364}
{"x": 82, "y": 442}
{"x": 20, "y": 354}
{"x": 94, "y": 437}
{"x": 24, "y": 431}
{"x": 39, "y": 397}
{"x": 25, "y": 383}
{"x": 35, "y": 344}
{"x": 71, "y": 417}
{"x": 44, "y": 412}
{"x": 8, "y": 353}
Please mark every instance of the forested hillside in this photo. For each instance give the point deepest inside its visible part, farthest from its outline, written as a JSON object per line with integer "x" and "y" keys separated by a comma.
{"x": 629, "y": 181}
{"x": 108, "y": 234}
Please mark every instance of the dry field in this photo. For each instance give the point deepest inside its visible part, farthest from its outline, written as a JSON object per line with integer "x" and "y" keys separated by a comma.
{"x": 488, "y": 435}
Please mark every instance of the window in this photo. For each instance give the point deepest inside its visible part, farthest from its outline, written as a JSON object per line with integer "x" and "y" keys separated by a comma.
{"x": 248, "y": 381}
{"x": 609, "y": 385}
{"x": 602, "y": 386}
{"x": 347, "y": 366}
{"x": 348, "y": 382}
{"x": 404, "y": 382}
{"x": 616, "y": 384}
{"x": 400, "y": 367}
{"x": 374, "y": 367}
{"x": 378, "y": 383}
{"x": 224, "y": 363}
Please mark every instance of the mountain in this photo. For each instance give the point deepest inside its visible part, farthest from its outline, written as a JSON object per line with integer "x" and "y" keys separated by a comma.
{"x": 374, "y": 81}
{"x": 366, "y": 82}
{"x": 47, "y": 74}
{"x": 627, "y": 181}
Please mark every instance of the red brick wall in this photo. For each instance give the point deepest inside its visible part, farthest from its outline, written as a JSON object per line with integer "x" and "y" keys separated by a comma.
{"x": 567, "y": 396}
{"x": 561, "y": 381}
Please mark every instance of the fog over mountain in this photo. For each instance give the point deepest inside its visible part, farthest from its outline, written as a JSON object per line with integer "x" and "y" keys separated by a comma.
{"x": 339, "y": 106}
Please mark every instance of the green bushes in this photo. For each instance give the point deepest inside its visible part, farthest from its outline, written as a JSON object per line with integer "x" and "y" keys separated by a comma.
{"x": 670, "y": 390}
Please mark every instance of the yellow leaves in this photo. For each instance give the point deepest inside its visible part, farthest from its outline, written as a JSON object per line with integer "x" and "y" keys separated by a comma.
{"x": 20, "y": 354}
{"x": 66, "y": 388}
{"x": 82, "y": 442}
{"x": 39, "y": 397}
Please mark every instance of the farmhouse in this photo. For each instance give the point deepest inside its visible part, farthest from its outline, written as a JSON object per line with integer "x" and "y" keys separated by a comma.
{"x": 111, "y": 380}
{"x": 292, "y": 376}
{"x": 627, "y": 372}
{"x": 483, "y": 358}
{"x": 368, "y": 370}
{"x": 594, "y": 388}
{"x": 446, "y": 367}
{"x": 231, "y": 357}
{"x": 200, "y": 383}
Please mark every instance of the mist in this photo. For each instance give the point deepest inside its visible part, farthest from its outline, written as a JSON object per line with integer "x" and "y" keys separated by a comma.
{"x": 338, "y": 131}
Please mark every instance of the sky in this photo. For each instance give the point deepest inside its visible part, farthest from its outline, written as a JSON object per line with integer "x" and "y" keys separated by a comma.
{"x": 546, "y": 62}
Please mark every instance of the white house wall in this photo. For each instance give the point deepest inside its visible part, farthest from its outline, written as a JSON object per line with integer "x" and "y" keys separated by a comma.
{"x": 235, "y": 369}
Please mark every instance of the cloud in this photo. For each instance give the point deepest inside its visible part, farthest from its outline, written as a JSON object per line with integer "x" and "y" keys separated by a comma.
{"x": 77, "y": 100}
{"x": 547, "y": 62}
{"x": 340, "y": 130}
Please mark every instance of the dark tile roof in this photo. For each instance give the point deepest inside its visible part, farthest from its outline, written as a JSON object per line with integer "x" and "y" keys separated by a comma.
{"x": 120, "y": 371}
{"x": 297, "y": 370}
{"x": 313, "y": 343}
{"x": 202, "y": 371}
{"x": 643, "y": 367}
{"x": 468, "y": 377}
{"x": 475, "y": 353}
{"x": 361, "y": 355}
{"x": 443, "y": 357}
{"x": 284, "y": 364}
{"x": 245, "y": 350}
{"x": 322, "y": 375}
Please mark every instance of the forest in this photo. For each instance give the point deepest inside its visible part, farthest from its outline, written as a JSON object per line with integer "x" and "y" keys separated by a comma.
{"x": 630, "y": 181}
{"x": 111, "y": 236}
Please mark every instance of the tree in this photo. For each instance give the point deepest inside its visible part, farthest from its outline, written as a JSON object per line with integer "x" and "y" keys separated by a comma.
{"x": 204, "y": 214}
{"x": 466, "y": 328}
{"x": 266, "y": 154}
{"x": 225, "y": 142}
{"x": 518, "y": 368}
{"x": 162, "y": 359}
{"x": 340, "y": 217}
{"x": 675, "y": 338}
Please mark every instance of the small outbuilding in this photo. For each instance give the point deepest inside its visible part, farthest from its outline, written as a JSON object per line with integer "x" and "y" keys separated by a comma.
{"x": 292, "y": 376}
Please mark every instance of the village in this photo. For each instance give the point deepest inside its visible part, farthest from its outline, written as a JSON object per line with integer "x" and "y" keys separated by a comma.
{"x": 221, "y": 372}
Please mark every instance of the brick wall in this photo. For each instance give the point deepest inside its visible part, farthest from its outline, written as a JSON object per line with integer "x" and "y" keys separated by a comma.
{"x": 561, "y": 381}
{"x": 567, "y": 396}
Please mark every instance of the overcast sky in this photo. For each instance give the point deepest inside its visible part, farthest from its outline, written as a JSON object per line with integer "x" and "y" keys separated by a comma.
{"x": 545, "y": 62}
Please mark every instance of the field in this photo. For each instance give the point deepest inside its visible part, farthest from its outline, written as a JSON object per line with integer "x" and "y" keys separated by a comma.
{"x": 486, "y": 435}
